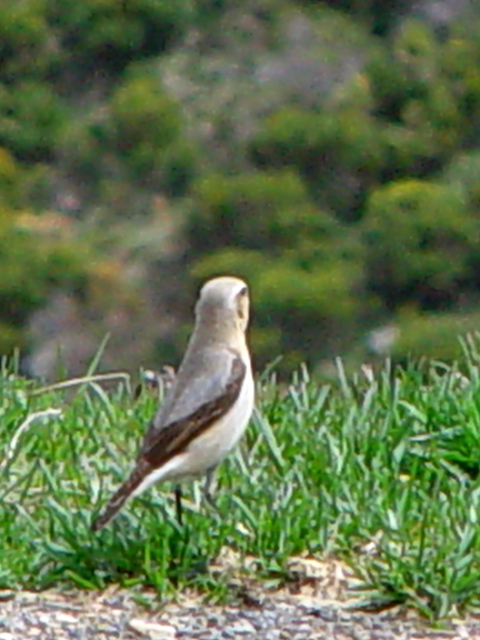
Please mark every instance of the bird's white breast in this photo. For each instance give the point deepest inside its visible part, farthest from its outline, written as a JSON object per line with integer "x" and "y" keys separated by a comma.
{"x": 216, "y": 442}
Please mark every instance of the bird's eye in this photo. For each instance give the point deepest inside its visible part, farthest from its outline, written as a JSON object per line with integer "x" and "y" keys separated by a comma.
{"x": 243, "y": 291}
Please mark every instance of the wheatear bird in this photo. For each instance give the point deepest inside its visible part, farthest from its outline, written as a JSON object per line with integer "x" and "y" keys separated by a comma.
{"x": 208, "y": 407}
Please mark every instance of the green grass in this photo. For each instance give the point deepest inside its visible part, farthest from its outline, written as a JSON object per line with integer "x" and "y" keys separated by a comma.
{"x": 390, "y": 459}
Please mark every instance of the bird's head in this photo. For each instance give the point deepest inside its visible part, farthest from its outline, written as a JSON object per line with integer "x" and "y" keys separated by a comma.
{"x": 225, "y": 298}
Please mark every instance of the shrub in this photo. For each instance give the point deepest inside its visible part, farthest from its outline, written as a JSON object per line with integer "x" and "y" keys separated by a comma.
{"x": 26, "y": 48}
{"x": 110, "y": 34}
{"x": 145, "y": 122}
{"x": 258, "y": 210}
{"x": 330, "y": 149}
{"x": 31, "y": 119}
{"x": 433, "y": 335}
{"x": 419, "y": 239}
{"x": 35, "y": 260}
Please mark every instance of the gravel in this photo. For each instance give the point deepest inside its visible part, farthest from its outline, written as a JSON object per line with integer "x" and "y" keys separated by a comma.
{"x": 316, "y": 605}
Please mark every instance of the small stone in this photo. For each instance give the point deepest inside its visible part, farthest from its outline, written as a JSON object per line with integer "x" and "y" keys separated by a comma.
{"x": 153, "y": 630}
{"x": 242, "y": 627}
{"x": 65, "y": 619}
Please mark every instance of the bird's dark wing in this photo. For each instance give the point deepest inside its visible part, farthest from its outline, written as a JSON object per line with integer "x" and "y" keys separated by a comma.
{"x": 193, "y": 407}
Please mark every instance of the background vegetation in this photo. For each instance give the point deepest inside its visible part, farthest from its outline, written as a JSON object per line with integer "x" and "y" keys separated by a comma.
{"x": 327, "y": 151}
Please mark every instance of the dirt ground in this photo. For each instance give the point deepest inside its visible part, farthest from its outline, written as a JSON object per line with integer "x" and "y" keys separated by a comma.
{"x": 317, "y": 604}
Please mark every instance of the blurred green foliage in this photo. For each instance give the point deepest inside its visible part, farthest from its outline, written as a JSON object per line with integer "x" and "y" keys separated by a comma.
{"x": 326, "y": 151}
{"x": 429, "y": 335}
{"x": 296, "y": 257}
{"x": 35, "y": 259}
{"x": 144, "y": 121}
{"x": 379, "y": 15}
{"x": 421, "y": 242}
{"x": 105, "y": 35}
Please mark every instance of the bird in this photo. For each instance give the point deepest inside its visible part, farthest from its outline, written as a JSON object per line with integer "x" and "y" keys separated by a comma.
{"x": 159, "y": 381}
{"x": 209, "y": 404}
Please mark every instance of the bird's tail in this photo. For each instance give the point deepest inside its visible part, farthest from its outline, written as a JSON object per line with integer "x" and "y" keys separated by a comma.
{"x": 122, "y": 494}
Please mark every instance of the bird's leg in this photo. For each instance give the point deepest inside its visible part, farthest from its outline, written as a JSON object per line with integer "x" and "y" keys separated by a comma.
{"x": 178, "y": 504}
{"x": 207, "y": 490}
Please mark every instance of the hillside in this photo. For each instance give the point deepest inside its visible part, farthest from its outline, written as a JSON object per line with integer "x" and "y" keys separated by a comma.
{"x": 325, "y": 151}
